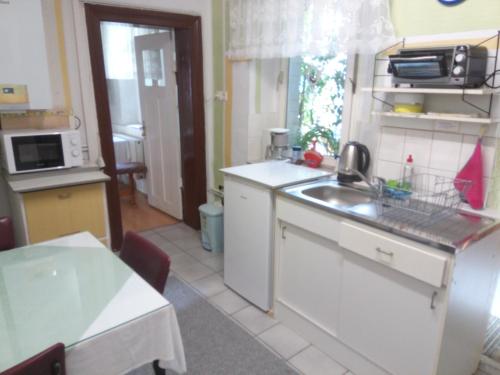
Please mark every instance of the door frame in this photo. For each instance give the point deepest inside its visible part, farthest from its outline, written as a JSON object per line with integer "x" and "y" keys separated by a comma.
{"x": 189, "y": 57}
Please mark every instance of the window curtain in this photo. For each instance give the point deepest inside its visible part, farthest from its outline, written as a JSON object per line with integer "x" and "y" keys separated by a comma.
{"x": 289, "y": 28}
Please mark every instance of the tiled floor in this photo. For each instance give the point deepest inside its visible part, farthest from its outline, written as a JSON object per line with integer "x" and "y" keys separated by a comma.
{"x": 203, "y": 271}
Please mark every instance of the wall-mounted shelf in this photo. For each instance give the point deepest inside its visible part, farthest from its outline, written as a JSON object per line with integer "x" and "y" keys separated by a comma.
{"x": 488, "y": 90}
{"x": 440, "y": 117}
{"x": 417, "y": 90}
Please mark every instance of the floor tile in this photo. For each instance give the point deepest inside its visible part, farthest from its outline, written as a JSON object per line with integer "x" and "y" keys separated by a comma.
{"x": 182, "y": 261}
{"x": 229, "y": 301}
{"x": 166, "y": 245}
{"x": 183, "y": 225}
{"x": 210, "y": 286}
{"x": 255, "y": 320}
{"x": 283, "y": 340}
{"x": 193, "y": 272}
{"x": 148, "y": 233}
{"x": 200, "y": 253}
{"x": 311, "y": 361}
{"x": 176, "y": 233}
{"x": 187, "y": 243}
{"x": 216, "y": 262}
{"x": 152, "y": 236}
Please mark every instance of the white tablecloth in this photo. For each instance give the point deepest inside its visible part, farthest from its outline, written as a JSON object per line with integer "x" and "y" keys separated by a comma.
{"x": 143, "y": 325}
{"x": 143, "y": 340}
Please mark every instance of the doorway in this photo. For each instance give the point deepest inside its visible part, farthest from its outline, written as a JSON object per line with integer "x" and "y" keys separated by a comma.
{"x": 153, "y": 110}
{"x": 139, "y": 64}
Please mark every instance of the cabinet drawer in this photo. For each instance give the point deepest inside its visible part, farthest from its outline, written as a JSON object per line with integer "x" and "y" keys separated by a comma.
{"x": 308, "y": 218}
{"x": 408, "y": 258}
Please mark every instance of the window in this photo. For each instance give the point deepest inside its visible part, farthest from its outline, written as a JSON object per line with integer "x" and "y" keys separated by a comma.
{"x": 316, "y": 102}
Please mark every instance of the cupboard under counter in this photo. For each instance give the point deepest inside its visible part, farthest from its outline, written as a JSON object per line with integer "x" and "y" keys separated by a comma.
{"x": 49, "y": 205}
{"x": 407, "y": 309}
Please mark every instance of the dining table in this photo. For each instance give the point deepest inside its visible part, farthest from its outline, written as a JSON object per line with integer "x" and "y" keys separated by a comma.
{"x": 76, "y": 291}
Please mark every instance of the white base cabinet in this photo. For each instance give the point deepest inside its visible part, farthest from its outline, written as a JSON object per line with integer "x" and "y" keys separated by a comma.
{"x": 377, "y": 303}
{"x": 389, "y": 317}
{"x": 306, "y": 256}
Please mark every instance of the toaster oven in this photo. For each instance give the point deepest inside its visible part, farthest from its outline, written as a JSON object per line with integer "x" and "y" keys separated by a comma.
{"x": 461, "y": 65}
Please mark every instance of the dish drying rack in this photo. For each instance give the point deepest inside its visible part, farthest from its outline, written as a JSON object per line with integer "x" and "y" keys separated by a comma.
{"x": 417, "y": 203}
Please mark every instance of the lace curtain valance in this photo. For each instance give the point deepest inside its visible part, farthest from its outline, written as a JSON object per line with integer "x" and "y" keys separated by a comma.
{"x": 288, "y": 28}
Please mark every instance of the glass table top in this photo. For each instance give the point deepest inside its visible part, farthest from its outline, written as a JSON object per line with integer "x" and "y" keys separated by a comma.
{"x": 67, "y": 294}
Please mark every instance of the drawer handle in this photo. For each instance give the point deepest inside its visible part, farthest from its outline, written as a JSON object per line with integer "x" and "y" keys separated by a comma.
{"x": 243, "y": 197}
{"x": 388, "y": 253}
{"x": 63, "y": 195}
{"x": 283, "y": 229}
{"x": 433, "y": 300}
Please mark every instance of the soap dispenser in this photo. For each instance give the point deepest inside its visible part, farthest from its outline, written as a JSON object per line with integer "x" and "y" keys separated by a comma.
{"x": 408, "y": 172}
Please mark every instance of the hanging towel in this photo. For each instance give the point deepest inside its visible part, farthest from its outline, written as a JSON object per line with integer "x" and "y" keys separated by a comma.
{"x": 473, "y": 171}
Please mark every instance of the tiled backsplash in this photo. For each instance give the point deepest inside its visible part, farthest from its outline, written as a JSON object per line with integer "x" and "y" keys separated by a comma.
{"x": 438, "y": 153}
{"x": 494, "y": 188}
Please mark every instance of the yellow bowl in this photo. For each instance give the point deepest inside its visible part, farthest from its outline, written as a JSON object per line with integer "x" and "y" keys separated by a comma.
{"x": 408, "y": 108}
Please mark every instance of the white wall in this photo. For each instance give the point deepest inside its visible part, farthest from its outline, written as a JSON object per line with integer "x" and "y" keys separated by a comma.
{"x": 80, "y": 76}
{"x": 259, "y": 104}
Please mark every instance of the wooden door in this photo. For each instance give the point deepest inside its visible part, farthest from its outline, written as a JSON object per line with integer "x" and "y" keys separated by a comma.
{"x": 158, "y": 97}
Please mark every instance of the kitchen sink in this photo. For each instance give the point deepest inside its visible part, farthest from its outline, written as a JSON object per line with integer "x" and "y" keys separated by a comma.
{"x": 338, "y": 195}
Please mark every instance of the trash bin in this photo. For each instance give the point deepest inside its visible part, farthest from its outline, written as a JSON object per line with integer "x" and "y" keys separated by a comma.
{"x": 212, "y": 227}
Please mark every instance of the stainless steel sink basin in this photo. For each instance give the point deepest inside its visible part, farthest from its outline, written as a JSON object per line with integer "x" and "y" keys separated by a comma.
{"x": 338, "y": 195}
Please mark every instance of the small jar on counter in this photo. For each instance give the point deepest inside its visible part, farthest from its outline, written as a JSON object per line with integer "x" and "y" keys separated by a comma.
{"x": 296, "y": 151}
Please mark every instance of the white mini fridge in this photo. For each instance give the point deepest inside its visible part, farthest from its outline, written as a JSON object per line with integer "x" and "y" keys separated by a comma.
{"x": 248, "y": 212}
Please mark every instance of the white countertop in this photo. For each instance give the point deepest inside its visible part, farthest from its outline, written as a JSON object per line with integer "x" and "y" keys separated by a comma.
{"x": 50, "y": 180}
{"x": 276, "y": 174}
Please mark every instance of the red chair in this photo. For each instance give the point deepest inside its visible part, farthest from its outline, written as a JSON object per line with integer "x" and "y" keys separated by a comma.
{"x": 147, "y": 259}
{"x": 49, "y": 362}
{"x": 7, "y": 241}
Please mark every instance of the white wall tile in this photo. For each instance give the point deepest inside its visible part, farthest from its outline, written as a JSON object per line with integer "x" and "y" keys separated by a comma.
{"x": 443, "y": 173}
{"x": 468, "y": 145}
{"x": 418, "y": 144}
{"x": 445, "y": 152}
{"x": 489, "y": 152}
{"x": 255, "y": 152}
{"x": 389, "y": 170}
{"x": 392, "y": 144}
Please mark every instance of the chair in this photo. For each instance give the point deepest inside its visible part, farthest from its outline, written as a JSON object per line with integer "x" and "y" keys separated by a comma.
{"x": 130, "y": 168}
{"x": 49, "y": 362}
{"x": 7, "y": 241}
{"x": 147, "y": 259}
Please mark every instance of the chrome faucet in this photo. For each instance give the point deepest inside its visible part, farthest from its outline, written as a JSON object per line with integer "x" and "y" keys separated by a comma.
{"x": 376, "y": 184}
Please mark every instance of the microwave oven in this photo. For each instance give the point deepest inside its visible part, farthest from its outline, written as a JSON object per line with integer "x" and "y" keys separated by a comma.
{"x": 34, "y": 150}
{"x": 459, "y": 65}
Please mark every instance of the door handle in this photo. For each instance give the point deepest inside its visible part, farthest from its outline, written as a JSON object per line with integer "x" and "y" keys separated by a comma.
{"x": 433, "y": 300}
{"x": 388, "y": 253}
{"x": 283, "y": 229}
